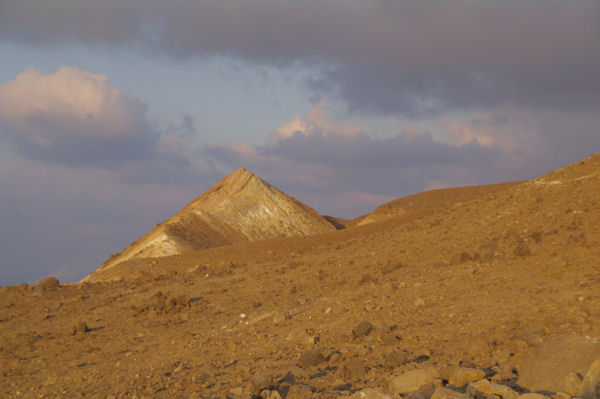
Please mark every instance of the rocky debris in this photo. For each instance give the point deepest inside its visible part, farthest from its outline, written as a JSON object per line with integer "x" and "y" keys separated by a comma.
{"x": 490, "y": 253}
{"x": 460, "y": 257}
{"x": 311, "y": 358}
{"x": 447, "y": 393}
{"x": 175, "y": 302}
{"x": 80, "y": 328}
{"x": 460, "y": 376}
{"x": 394, "y": 358}
{"x": 546, "y": 368}
{"x": 259, "y": 383}
{"x": 362, "y": 330}
{"x": 485, "y": 388}
{"x": 48, "y": 283}
{"x": 353, "y": 369}
{"x": 391, "y": 267}
{"x": 299, "y": 391}
{"x": 270, "y": 394}
{"x": 572, "y": 383}
{"x": 590, "y": 387}
{"x": 523, "y": 249}
{"x": 369, "y": 394}
{"x": 532, "y": 395}
{"x": 412, "y": 381}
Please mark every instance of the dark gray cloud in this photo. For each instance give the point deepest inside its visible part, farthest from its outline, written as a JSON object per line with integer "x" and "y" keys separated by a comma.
{"x": 408, "y": 58}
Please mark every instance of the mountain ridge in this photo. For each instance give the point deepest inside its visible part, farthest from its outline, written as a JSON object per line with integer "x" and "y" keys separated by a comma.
{"x": 241, "y": 207}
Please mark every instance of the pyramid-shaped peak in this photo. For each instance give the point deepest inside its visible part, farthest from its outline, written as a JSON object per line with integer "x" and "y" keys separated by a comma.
{"x": 240, "y": 208}
{"x": 235, "y": 182}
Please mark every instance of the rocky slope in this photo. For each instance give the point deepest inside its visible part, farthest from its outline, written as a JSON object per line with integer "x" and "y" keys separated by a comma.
{"x": 495, "y": 296}
{"x": 428, "y": 202}
{"x": 240, "y": 208}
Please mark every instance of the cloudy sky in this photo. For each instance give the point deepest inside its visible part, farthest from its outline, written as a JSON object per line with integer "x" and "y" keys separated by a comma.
{"x": 116, "y": 113}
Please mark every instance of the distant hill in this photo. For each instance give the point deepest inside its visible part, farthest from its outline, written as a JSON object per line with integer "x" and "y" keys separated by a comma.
{"x": 433, "y": 200}
{"x": 242, "y": 207}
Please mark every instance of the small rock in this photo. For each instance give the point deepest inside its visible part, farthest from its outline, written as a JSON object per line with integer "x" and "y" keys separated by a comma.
{"x": 391, "y": 267}
{"x": 561, "y": 395}
{"x": 590, "y": 387}
{"x": 572, "y": 383}
{"x": 369, "y": 394}
{"x": 268, "y": 394}
{"x": 299, "y": 391}
{"x": 447, "y": 393}
{"x": 423, "y": 394}
{"x": 411, "y": 381}
{"x": 395, "y": 358}
{"x": 419, "y": 302}
{"x": 48, "y": 283}
{"x": 490, "y": 253}
{"x": 532, "y": 396}
{"x": 259, "y": 382}
{"x": 353, "y": 369}
{"x": 460, "y": 257}
{"x": 80, "y": 328}
{"x": 522, "y": 249}
{"x": 236, "y": 391}
{"x": 459, "y": 376}
{"x": 486, "y": 388}
{"x": 278, "y": 317}
{"x": 362, "y": 330}
{"x": 311, "y": 358}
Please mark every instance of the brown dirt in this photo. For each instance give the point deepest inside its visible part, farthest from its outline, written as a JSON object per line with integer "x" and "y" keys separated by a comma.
{"x": 206, "y": 323}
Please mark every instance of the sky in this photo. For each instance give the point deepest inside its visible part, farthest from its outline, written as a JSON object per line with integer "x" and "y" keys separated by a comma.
{"x": 114, "y": 114}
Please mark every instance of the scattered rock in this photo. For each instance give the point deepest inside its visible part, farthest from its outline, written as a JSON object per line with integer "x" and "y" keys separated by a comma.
{"x": 546, "y": 368}
{"x": 460, "y": 376}
{"x": 590, "y": 387}
{"x": 447, "y": 393}
{"x": 572, "y": 383}
{"x": 367, "y": 279}
{"x": 80, "y": 328}
{"x": 490, "y": 253}
{"x": 391, "y": 267}
{"x": 177, "y": 302}
{"x": 270, "y": 394}
{"x": 259, "y": 383}
{"x": 299, "y": 391}
{"x": 419, "y": 302}
{"x": 311, "y": 358}
{"x": 394, "y": 358}
{"x": 532, "y": 395}
{"x": 362, "y": 330}
{"x": 411, "y": 381}
{"x": 460, "y": 257}
{"x": 423, "y": 394}
{"x": 354, "y": 369}
{"x": 522, "y": 249}
{"x": 485, "y": 388}
{"x": 369, "y": 394}
{"x": 48, "y": 283}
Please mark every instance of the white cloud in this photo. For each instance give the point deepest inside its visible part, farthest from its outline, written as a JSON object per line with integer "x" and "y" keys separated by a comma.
{"x": 316, "y": 122}
{"x": 73, "y": 116}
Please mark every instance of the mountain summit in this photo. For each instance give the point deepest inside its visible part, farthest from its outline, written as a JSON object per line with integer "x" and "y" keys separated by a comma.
{"x": 242, "y": 207}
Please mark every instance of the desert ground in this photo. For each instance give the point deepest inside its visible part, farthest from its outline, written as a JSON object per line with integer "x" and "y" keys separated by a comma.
{"x": 488, "y": 292}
